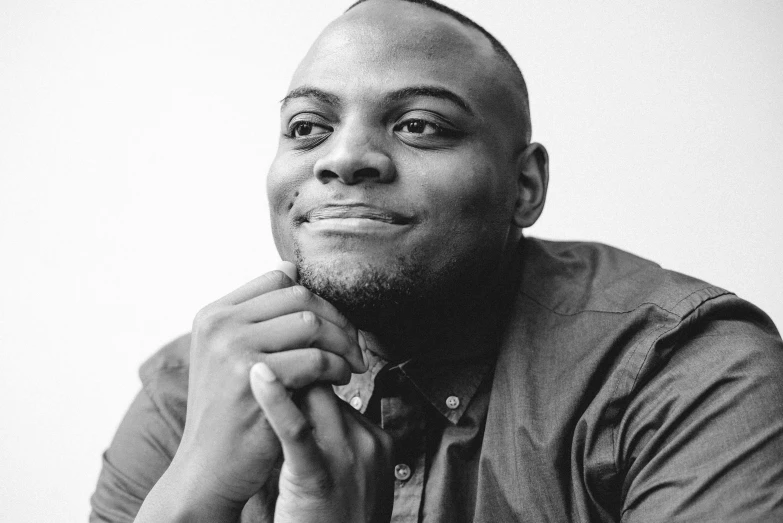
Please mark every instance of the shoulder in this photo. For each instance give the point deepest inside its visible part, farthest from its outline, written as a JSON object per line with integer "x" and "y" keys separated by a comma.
{"x": 573, "y": 277}
{"x": 164, "y": 378}
{"x": 608, "y": 321}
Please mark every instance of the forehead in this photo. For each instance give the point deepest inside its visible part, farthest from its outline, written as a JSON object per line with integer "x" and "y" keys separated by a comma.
{"x": 391, "y": 44}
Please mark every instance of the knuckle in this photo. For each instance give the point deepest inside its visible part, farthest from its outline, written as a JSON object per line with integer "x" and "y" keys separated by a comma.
{"x": 342, "y": 321}
{"x": 296, "y": 431}
{"x": 310, "y": 319}
{"x": 302, "y": 294}
{"x": 343, "y": 376}
{"x": 240, "y": 368}
{"x": 277, "y": 279}
{"x": 210, "y": 319}
{"x": 320, "y": 362}
{"x": 201, "y": 316}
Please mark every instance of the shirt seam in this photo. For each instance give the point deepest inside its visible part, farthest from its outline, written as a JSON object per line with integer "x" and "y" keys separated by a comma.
{"x": 598, "y": 311}
{"x": 661, "y": 334}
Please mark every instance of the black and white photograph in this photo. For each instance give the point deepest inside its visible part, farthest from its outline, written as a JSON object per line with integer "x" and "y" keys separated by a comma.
{"x": 391, "y": 261}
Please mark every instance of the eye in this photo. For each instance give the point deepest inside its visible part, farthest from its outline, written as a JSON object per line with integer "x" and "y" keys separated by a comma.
{"x": 304, "y": 129}
{"x": 419, "y": 126}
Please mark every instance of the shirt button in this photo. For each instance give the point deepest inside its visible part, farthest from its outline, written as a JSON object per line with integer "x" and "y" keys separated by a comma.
{"x": 402, "y": 472}
{"x": 452, "y": 402}
{"x": 356, "y": 402}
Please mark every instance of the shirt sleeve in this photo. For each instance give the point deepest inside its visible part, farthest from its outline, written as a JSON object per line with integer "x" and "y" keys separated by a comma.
{"x": 702, "y": 438}
{"x": 142, "y": 448}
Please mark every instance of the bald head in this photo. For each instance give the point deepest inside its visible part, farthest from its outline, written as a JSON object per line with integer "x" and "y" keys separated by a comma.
{"x": 404, "y": 172}
{"x": 500, "y": 50}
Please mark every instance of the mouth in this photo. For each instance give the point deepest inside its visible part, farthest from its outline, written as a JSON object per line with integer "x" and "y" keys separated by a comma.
{"x": 355, "y": 220}
{"x": 355, "y": 212}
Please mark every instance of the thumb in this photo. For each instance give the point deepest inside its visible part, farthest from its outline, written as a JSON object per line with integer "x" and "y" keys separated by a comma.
{"x": 294, "y": 431}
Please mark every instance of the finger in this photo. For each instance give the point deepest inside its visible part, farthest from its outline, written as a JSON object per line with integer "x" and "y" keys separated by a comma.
{"x": 300, "y": 451}
{"x": 299, "y": 368}
{"x": 292, "y": 299}
{"x": 302, "y": 330}
{"x": 288, "y": 268}
{"x": 352, "y": 418}
{"x": 265, "y": 283}
{"x": 321, "y": 406}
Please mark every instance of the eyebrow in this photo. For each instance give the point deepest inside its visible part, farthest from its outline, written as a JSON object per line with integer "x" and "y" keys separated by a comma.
{"x": 430, "y": 91}
{"x": 311, "y": 92}
{"x": 394, "y": 96}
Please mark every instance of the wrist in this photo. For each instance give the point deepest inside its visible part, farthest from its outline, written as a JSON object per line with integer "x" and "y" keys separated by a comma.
{"x": 185, "y": 493}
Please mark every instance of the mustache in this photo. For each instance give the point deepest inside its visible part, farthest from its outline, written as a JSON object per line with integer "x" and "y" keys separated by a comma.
{"x": 355, "y": 210}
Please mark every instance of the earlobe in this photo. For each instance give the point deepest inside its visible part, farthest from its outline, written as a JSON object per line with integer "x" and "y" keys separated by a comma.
{"x": 532, "y": 182}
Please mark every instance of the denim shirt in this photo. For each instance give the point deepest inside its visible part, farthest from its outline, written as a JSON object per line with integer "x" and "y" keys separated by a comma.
{"x": 618, "y": 391}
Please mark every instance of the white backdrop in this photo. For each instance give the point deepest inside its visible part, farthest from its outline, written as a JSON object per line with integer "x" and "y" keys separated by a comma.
{"x": 135, "y": 137}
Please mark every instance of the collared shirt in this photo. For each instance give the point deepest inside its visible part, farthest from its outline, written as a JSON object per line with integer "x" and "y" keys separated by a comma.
{"x": 619, "y": 391}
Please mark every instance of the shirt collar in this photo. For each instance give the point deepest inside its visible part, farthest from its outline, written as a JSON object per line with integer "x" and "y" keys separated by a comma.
{"x": 447, "y": 386}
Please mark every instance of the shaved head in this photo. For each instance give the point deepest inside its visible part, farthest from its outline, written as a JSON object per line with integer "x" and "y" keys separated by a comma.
{"x": 405, "y": 172}
{"x": 499, "y": 48}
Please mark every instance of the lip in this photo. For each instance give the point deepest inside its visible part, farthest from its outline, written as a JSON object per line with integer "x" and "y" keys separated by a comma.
{"x": 355, "y": 212}
{"x": 355, "y": 220}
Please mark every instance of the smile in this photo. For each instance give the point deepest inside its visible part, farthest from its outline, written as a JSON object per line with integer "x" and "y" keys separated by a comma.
{"x": 354, "y": 219}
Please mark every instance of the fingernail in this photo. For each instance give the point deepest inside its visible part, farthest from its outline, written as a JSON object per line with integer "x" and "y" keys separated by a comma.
{"x": 363, "y": 346}
{"x": 261, "y": 370}
{"x": 288, "y": 268}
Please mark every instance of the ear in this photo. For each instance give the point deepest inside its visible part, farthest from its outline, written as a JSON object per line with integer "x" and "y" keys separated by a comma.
{"x": 532, "y": 182}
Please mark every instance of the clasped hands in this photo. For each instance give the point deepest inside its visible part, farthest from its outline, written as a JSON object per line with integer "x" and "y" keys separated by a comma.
{"x": 249, "y": 351}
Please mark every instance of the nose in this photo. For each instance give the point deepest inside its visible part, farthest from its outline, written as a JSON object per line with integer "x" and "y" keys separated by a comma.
{"x": 354, "y": 158}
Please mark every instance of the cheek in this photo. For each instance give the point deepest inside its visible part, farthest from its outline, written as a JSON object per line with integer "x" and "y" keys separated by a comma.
{"x": 470, "y": 216}
{"x": 282, "y": 189}
{"x": 478, "y": 200}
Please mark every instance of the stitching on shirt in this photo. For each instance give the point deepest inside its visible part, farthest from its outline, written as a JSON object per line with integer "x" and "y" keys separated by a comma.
{"x": 647, "y": 355}
{"x": 708, "y": 298}
{"x": 707, "y": 288}
{"x": 661, "y": 332}
{"x": 595, "y": 310}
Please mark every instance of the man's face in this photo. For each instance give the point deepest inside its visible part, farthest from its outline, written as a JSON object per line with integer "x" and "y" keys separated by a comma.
{"x": 395, "y": 173}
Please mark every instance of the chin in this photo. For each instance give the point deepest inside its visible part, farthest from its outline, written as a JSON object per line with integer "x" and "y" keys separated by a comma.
{"x": 370, "y": 292}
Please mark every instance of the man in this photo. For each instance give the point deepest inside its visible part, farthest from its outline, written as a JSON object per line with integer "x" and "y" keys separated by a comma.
{"x": 479, "y": 375}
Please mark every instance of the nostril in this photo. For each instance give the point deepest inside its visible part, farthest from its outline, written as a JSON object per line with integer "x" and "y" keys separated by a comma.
{"x": 367, "y": 172}
{"x": 326, "y": 176}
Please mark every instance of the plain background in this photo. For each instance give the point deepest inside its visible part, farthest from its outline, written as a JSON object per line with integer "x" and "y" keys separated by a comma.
{"x": 135, "y": 138}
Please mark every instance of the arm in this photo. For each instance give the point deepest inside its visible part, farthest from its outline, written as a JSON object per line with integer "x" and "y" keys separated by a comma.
{"x": 227, "y": 450}
{"x": 702, "y": 440}
{"x": 139, "y": 454}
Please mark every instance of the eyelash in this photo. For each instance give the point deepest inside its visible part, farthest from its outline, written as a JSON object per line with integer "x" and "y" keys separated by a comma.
{"x": 440, "y": 130}
{"x": 297, "y": 125}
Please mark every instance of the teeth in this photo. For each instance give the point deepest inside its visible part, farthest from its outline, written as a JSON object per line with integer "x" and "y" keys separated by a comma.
{"x": 349, "y": 212}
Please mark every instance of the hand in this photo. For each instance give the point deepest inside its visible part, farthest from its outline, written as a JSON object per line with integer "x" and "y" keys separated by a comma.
{"x": 337, "y": 465}
{"x": 227, "y": 442}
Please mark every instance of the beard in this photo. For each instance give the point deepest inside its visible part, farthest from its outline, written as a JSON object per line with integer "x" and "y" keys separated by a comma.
{"x": 395, "y": 298}
{"x": 372, "y": 297}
